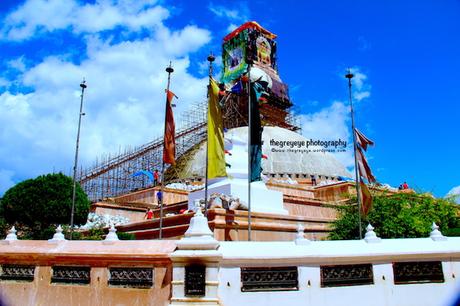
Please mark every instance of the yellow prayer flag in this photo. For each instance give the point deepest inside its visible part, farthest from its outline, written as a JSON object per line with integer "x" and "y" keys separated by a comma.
{"x": 216, "y": 154}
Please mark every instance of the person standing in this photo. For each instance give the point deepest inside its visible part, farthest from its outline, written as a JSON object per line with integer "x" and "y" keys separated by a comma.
{"x": 149, "y": 214}
{"x": 160, "y": 197}
{"x": 156, "y": 177}
{"x": 313, "y": 180}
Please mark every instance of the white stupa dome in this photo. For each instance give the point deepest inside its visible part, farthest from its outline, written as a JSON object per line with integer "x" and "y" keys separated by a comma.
{"x": 280, "y": 161}
{"x": 455, "y": 194}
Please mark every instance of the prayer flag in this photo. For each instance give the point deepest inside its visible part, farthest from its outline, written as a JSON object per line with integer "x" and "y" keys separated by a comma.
{"x": 363, "y": 167}
{"x": 362, "y": 140}
{"x": 169, "y": 148}
{"x": 256, "y": 133}
{"x": 237, "y": 88}
{"x": 216, "y": 155}
{"x": 366, "y": 198}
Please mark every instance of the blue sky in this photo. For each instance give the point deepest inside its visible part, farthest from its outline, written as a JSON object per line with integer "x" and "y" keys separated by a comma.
{"x": 406, "y": 55}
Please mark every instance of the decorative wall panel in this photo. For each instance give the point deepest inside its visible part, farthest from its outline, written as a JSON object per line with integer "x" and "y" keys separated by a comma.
{"x": 131, "y": 277}
{"x": 346, "y": 275}
{"x": 269, "y": 279}
{"x": 418, "y": 272}
{"x": 71, "y": 275}
{"x": 17, "y": 272}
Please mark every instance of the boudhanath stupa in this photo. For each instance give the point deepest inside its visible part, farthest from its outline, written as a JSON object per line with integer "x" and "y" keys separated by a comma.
{"x": 298, "y": 185}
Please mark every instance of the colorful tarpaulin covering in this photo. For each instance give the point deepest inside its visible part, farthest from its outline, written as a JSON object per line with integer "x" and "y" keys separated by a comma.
{"x": 234, "y": 57}
{"x": 216, "y": 151}
{"x": 249, "y": 25}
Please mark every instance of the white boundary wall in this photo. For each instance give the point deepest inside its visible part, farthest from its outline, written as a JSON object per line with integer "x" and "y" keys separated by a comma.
{"x": 309, "y": 257}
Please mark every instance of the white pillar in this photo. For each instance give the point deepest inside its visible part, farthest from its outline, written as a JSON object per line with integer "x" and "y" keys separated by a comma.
{"x": 196, "y": 252}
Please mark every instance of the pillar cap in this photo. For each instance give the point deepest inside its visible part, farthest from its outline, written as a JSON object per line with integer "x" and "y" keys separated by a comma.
{"x": 198, "y": 236}
{"x": 370, "y": 236}
{"x": 58, "y": 235}
{"x": 436, "y": 234}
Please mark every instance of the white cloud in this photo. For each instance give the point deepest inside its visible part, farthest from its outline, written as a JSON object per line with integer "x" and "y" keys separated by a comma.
{"x": 124, "y": 101}
{"x": 361, "y": 89}
{"x": 359, "y": 95}
{"x": 4, "y": 82}
{"x": 334, "y": 122}
{"x": 359, "y": 78}
{"x": 23, "y": 22}
{"x": 221, "y": 11}
{"x": 328, "y": 122}
{"x": 53, "y": 15}
{"x": 189, "y": 39}
{"x": 238, "y": 11}
{"x": 203, "y": 66}
{"x": 18, "y": 64}
{"x": 231, "y": 27}
{"x": 331, "y": 123}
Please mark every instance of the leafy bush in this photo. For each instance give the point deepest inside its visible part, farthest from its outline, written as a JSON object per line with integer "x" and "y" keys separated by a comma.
{"x": 94, "y": 234}
{"x": 399, "y": 215}
{"x": 98, "y": 233}
{"x": 126, "y": 236}
{"x": 35, "y": 205}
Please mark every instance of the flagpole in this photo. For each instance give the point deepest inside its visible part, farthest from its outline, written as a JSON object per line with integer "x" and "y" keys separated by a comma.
{"x": 169, "y": 70}
{"x": 349, "y": 76}
{"x": 211, "y": 59}
{"x": 83, "y": 86}
{"x": 249, "y": 152}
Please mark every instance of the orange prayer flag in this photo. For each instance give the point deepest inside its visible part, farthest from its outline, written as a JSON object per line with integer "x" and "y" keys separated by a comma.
{"x": 169, "y": 148}
{"x": 170, "y": 95}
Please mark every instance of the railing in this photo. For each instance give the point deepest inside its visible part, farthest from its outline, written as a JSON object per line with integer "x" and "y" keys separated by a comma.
{"x": 372, "y": 271}
{"x": 85, "y": 272}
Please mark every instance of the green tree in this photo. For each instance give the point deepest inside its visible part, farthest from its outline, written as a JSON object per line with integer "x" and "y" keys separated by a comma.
{"x": 37, "y": 205}
{"x": 3, "y": 224}
{"x": 398, "y": 215}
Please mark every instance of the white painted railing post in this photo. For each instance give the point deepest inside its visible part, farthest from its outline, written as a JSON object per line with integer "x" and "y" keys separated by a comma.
{"x": 111, "y": 236}
{"x": 436, "y": 234}
{"x": 11, "y": 236}
{"x": 196, "y": 261}
{"x": 371, "y": 236}
{"x": 300, "y": 236}
{"x": 58, "y": 235}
